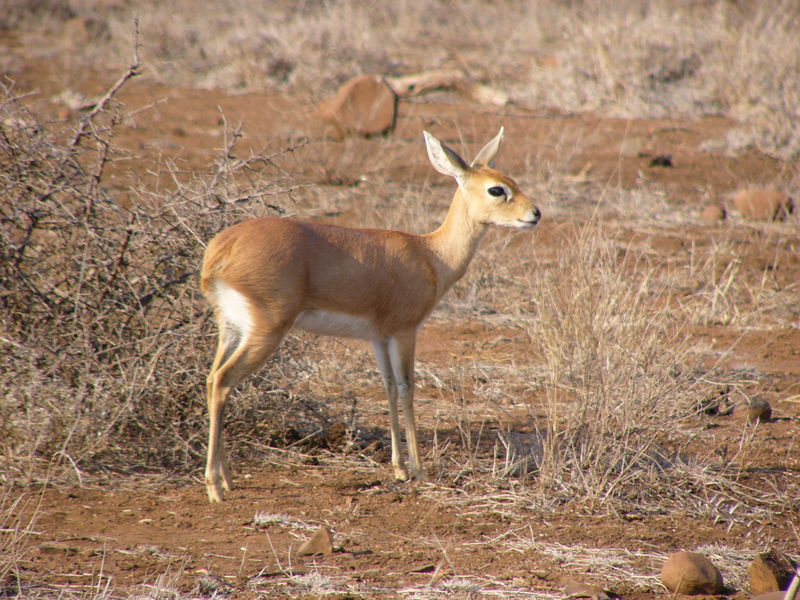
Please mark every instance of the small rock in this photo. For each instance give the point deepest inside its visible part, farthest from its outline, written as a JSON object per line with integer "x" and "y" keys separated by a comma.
{"x": 365, "y": 105}
{"x": 713, "y": 212}
{"x": 319, "y": 543}
{"x": 662, "y": 160}
{"x": 425, "y": 569}
{"x": 769, "y": 572}
{"x": 763, "y": 205}
{"x": 754, "y": 410}
{"x": 691, "y": 573}
{"x": 576, "y": 589}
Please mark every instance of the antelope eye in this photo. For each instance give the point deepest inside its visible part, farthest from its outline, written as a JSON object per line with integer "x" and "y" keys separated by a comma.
{"x": 497, "y": 191}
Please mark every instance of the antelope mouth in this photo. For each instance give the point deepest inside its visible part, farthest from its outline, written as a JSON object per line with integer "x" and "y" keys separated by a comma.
{"x": 523, "y": 224}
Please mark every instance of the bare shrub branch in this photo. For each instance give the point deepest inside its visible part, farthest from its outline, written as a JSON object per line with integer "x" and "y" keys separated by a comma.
{"x": 105, "y": 338}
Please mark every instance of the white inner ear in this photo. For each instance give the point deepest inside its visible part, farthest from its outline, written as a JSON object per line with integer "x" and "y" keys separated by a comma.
{"x": 444, "y": 159}
{"x": 488, "y": 153}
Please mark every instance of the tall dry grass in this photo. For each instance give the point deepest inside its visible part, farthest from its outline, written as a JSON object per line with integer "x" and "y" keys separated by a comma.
{"x": 628, "y": 59}
{"x": 610, "y": 409}
{"x": 620, "y": 382}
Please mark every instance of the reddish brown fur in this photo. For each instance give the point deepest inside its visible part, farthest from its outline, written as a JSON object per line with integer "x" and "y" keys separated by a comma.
{"x": 385, "y": 276}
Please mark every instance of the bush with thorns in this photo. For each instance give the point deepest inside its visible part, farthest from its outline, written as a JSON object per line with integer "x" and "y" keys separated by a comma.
{"x": 105, "y": 339}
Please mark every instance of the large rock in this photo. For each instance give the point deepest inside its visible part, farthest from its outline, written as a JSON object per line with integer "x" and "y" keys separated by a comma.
{"x": 763, "y": 205}
{"x": 769, "y": 572}
{"x": 365, "y": 105}
{"x": 691, "y": 573}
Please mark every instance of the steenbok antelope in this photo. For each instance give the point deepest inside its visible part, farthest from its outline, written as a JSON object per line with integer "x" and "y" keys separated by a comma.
{"x": 265, "y": 276}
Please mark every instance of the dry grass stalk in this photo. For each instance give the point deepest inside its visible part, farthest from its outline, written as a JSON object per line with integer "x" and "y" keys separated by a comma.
{"x": 617, "y": 382}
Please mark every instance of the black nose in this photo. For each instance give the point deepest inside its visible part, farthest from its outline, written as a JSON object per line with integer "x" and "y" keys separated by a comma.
{"x": 537, "y": 214}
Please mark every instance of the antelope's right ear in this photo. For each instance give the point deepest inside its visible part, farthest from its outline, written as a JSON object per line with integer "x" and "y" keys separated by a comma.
{"x": 487, "y": 154}
{"x": 445, "y": 159}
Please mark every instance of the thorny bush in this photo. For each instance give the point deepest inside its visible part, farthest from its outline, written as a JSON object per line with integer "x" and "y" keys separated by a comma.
{"x": 105, "y": 339}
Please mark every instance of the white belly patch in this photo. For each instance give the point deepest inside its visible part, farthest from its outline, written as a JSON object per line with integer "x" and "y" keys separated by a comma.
{"x": 325, "y": 322}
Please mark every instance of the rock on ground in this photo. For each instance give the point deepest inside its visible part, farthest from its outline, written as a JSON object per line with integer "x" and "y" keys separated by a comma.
{"x": 366, "y": 105}
{"x": 319, "y": 543}
{"x": 691, "y": 573}
{"x": 713, "y": 212}
{"x": 763, "y": 205}
{"x": 577, "y": 589}
{"x": 754, "y": 410}
{"x": 769, "y": 572}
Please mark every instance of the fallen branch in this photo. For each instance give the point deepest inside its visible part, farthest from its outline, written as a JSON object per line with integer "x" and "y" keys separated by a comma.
{"x": 407, "y": 86}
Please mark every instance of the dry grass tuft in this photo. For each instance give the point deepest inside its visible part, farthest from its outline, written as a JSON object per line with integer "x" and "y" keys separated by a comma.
{"x": 617, "y": 376}
{"x": 720, "y": 289}
{"x": 639, "y": 59}
{"x": 616, "y": 402}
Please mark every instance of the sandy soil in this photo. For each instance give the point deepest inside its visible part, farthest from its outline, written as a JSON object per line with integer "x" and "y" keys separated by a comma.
{"x": 396, "y": 540}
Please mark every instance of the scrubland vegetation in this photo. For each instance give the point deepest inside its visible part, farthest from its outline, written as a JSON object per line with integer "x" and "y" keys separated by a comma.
{"x": 630, "y": 59}
{"x": 106, "y": 340}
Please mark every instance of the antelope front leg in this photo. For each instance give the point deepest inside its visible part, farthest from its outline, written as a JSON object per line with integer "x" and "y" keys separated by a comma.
{"x": 402, "y": 351}
{"x": 381, "y": 351}
{"x": 406, "y": 392}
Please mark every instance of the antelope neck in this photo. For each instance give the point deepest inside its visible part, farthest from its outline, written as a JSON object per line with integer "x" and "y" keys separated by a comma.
{"x": 454, "y": 243}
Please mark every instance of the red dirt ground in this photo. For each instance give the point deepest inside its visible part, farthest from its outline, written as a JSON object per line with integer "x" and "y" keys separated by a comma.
{"x": 400, "y": 540}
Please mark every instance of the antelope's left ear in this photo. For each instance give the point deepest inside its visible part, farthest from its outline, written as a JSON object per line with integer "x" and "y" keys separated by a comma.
{"x": 485, "y": 158}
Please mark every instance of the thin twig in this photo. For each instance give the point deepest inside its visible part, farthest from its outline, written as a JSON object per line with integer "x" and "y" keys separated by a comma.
{"x": 133, "y": 71}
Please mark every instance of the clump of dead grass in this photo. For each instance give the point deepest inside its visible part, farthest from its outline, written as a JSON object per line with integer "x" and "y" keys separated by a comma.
{"x": 720, "y": 288}
{"x": 15, "y": 538}
{"x": 640, "y": 59}
{"x": 619, "y": 389}
{"x": 617, "y": 377}
{"x": 616, "y": 393}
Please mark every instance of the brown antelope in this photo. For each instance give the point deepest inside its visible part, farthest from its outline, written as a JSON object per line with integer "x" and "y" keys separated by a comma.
{"x": 265, "y": 276}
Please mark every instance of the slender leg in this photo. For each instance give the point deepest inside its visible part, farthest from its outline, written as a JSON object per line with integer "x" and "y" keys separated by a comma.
{"x": 215, "y": 475}
{"x": 381, "y": 350}
{"x": 401, "y": 352}
{"x": 229, "y": 339}
{"x": 228, "y": 370}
